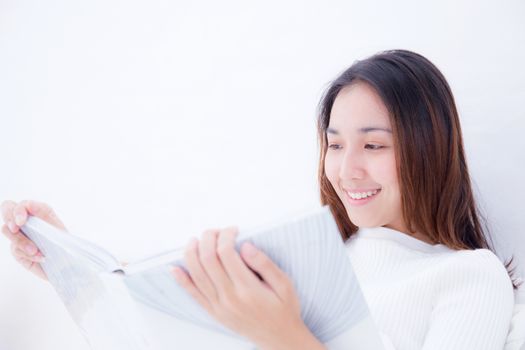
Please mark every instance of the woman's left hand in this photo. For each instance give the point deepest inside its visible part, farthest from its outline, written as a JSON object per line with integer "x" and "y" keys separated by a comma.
{"x": 265, "y": 311}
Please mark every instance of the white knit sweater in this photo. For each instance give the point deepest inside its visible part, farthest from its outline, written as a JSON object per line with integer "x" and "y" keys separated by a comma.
{"x": 424, "y": 296}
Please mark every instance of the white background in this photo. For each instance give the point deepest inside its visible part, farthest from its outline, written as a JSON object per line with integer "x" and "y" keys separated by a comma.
{"x": 144, "y": 123}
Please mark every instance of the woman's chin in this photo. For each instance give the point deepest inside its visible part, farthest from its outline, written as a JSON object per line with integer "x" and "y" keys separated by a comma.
{"x": 360, "y": 221}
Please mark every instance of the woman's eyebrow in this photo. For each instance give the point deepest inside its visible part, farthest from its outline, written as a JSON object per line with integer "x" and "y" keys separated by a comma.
{"x": 374, "y": 128}
{"x": 361, "y": 130}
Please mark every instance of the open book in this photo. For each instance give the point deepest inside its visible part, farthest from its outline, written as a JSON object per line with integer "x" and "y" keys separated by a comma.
{"x": 105, "y": 298}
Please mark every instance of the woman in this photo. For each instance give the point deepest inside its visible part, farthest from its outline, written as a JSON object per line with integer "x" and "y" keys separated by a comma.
{"x": 393, "y": 171}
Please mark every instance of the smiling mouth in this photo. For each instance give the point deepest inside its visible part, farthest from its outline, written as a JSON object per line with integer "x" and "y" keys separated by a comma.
{"x": 362, "y": 195}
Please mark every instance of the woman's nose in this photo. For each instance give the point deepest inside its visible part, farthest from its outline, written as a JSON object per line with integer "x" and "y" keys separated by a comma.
{"x": 352, "y": 167}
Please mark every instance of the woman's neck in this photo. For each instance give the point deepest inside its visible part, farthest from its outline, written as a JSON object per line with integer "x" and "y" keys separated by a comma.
{"x": 401, "y": 227}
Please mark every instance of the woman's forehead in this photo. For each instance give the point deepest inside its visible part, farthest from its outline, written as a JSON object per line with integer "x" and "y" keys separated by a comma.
{"x": 358, "y": 107}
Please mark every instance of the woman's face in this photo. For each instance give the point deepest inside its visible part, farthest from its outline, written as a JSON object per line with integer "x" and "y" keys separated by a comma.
{"x": 360, "y": 161}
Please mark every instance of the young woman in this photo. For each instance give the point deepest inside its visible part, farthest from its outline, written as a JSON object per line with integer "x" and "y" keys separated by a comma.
{"x": 393, "y": 171}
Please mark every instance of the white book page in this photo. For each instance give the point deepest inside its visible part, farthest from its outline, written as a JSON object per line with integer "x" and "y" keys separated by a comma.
{"x": 46, "y": 235}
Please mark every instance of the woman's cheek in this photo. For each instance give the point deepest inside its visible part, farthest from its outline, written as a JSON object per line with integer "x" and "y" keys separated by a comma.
{"x": 384, "y": 171}
{"x": 331, "y": 170}
{"x": 385, "y": 174}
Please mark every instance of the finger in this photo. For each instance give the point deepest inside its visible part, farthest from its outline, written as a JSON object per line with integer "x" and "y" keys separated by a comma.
{"x": 21, "y": 242}
{"x": 211, "y": 263}
{"x": 40, "y": 210}
{"x": 7, "y": 215}
{"x": 197, "y": 273}
{"x": 33, "y": 267}
{"x": 271, "y": 273}
{"x": 185, "y": 281}
{"x": 234, "y": 266}
{"x": 20, "y": 213}
{"x": 8, "y": 233}
{"x": 20, "y": 251}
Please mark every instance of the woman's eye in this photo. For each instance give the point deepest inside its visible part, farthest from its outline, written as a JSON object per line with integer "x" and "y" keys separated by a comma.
{"x": 372, "y": 146}
{"x": 333, "y": 146}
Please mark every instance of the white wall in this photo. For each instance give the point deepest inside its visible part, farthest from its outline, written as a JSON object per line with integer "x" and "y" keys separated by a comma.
{"x": 144, "y": 123}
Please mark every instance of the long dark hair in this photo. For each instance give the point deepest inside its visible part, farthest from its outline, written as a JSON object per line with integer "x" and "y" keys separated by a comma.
{"x": 436, "y": 192}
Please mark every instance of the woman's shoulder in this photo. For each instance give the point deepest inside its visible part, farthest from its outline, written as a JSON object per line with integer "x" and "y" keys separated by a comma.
{"x": 481, "y": 260}
{"x": 476, "y": 283}
{"x": 477, "y": 270}
{"x": 478, "y": 262}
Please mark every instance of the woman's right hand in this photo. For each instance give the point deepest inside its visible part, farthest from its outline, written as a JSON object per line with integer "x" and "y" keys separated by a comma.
{"x": 23, "y": 249}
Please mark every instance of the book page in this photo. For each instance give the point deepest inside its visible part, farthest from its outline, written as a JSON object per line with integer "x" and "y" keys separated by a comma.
{"x": 98, "y": 303}
{"x": 50, "y": 236}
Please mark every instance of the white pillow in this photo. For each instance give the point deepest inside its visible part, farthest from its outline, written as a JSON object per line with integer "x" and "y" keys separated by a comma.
{"x": 516, "y": 337}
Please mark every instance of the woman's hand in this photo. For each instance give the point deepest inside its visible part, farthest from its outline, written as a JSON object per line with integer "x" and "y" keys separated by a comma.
{"x": 265, "y": 311}
{"x": 24, "y": 250}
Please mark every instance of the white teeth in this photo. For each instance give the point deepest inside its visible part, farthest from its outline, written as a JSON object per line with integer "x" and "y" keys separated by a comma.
{"x": 360, "y": 195}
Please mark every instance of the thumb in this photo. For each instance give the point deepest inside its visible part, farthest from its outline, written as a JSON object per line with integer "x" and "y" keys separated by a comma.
{"x": 38, "y": 209}
{"x": 267, "y": 269}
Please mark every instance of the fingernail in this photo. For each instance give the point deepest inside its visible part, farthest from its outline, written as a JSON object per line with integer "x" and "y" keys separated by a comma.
{"x": 11, "y": 226}
{"x": 177, "y": 272}
{"x": 249, "y": 249}
{"x": 40, "y": 259}
{"x": 19, "y": 219}
{"x": 30, "y": 249}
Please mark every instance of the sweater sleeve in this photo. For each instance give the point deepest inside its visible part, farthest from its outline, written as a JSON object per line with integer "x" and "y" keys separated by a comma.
{"x": 474, "y": 303}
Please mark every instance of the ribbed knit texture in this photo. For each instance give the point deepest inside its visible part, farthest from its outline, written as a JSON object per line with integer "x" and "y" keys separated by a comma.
{"x": 424, "y": 296}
